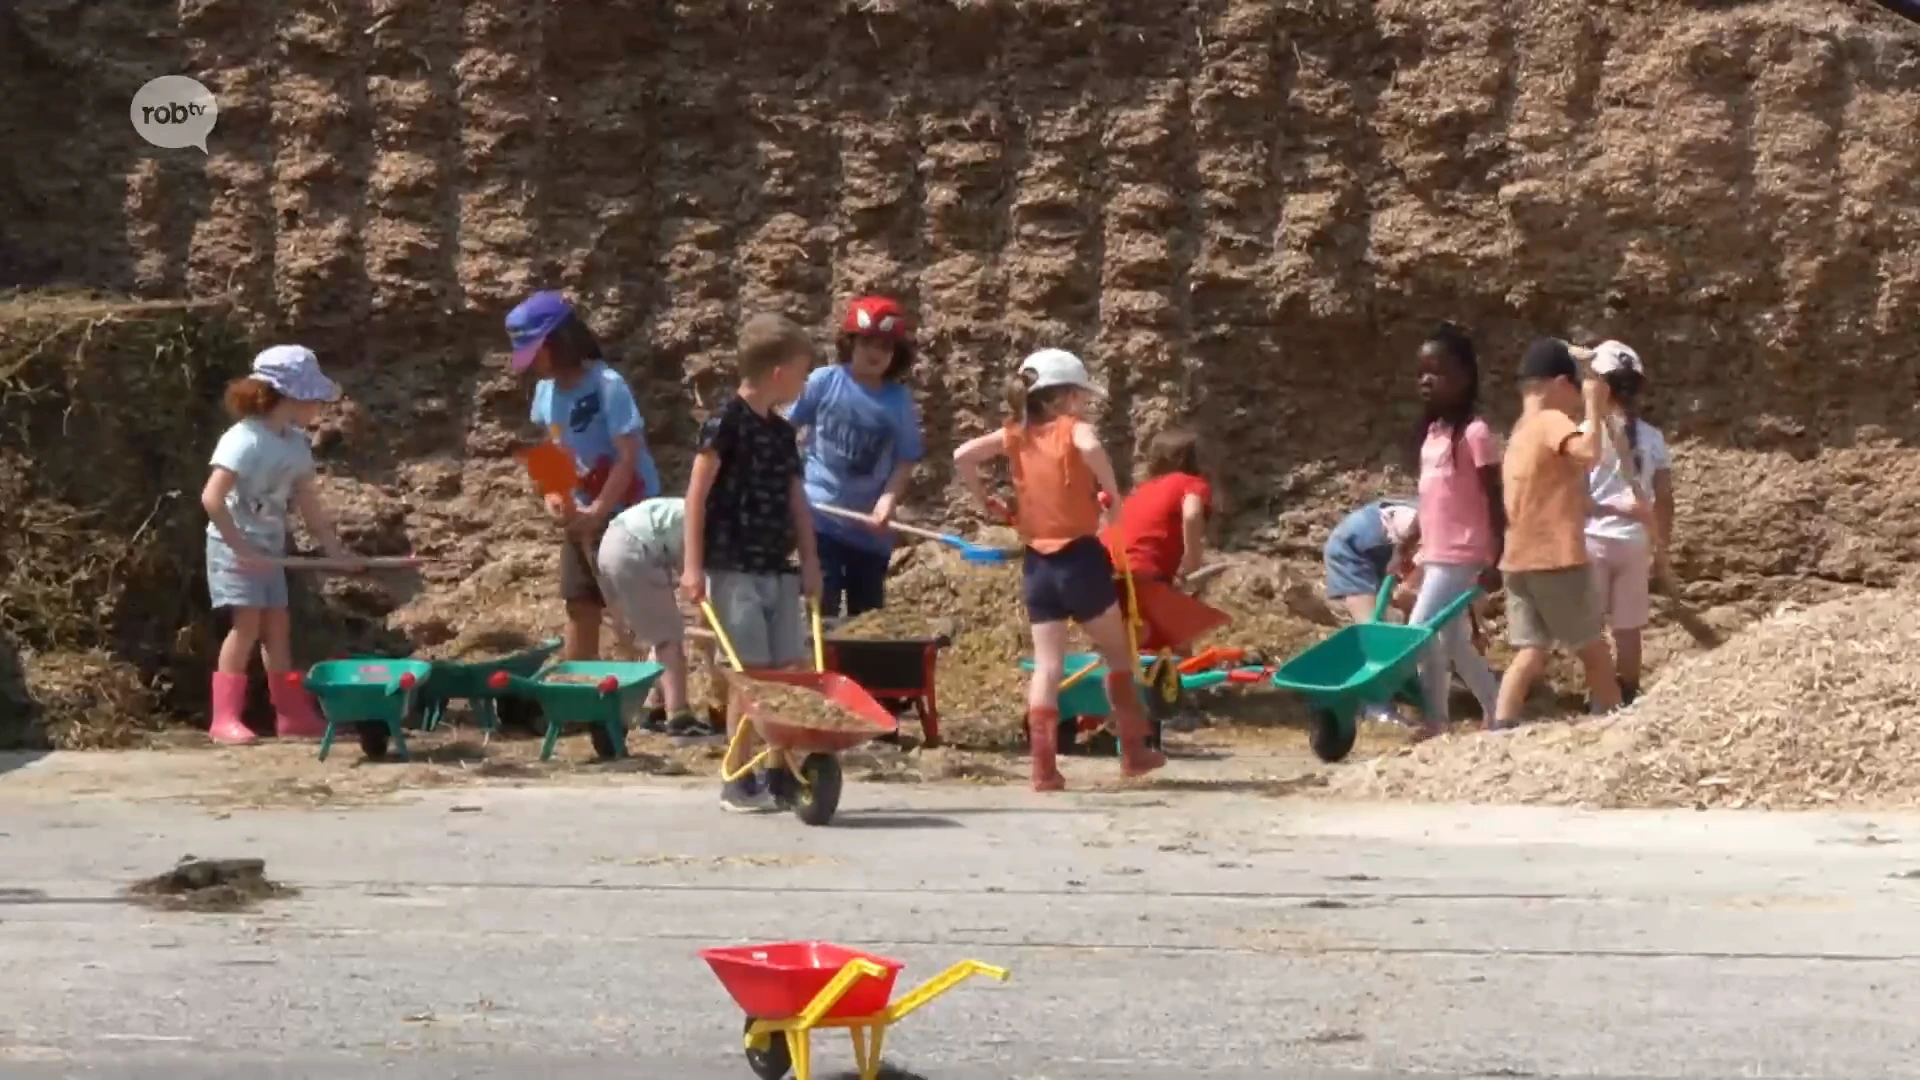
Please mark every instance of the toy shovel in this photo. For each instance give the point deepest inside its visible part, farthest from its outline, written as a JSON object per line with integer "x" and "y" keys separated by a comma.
{"x": 970, "y": 551}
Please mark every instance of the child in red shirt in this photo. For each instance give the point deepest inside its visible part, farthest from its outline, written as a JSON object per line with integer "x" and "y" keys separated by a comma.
{"x": 1161, "y": 533}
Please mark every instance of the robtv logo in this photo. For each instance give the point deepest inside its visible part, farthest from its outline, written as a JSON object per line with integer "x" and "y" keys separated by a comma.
{"x": 174, "y": 111}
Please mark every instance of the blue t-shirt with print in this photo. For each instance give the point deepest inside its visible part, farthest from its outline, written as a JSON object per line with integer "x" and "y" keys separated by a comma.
{"x": 855, "y": 437}
{"x": 590, "y": 415}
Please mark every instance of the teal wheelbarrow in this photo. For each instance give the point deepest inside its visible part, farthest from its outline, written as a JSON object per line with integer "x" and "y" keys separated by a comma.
{"x": 1367, "y": 662}
{"x": 374, "y": 697}
{"x": 472, "y": 682}
{"x": 598, "y": 693}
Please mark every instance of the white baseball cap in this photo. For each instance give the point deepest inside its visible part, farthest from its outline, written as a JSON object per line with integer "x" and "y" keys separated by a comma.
{"x": 1612, "y": 356}
{"x": 1057, "y": 367}
{"x": 295, "y": 372}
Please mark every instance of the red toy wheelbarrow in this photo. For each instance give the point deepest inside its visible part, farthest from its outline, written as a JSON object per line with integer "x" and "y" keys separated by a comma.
{"x": 802, "y": 769}
{"x": 791, "y": 988}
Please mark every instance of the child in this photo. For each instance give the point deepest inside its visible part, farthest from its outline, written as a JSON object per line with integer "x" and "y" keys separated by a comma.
{"x": 1359, "y": 554}
{"x": 1550, "y": 597}
{"x": 588, "y": 408}
{"x": 862, "y": 441}
{"x": 263, "y": 464}
{"x": 746, "y": 517}
{"x": 1458, "y": 529}
{"x": 1058, "y": 467}
{"x": 1163, "y": 523}
{"x": 640, "y": 560}
{"x": 1624, "y": 536}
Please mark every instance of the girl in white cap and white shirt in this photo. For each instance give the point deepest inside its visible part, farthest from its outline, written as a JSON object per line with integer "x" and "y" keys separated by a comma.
{"x": 262, "y": 468}
{"x": 1627, "y": 534}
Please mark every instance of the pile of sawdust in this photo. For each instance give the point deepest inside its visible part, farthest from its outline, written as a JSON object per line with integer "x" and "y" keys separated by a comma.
{"x": 211, "y": 885}
{"x": 107, "y": 411}
{"x": 481, "y": 641}
{"x": 90, "y": 700}
{"x": 804, "y": 708}
{"x": 1812, "y": 707}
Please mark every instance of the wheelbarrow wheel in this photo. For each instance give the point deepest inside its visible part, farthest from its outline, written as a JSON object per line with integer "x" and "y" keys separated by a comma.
{"x": 373, "y": 741}
{"x": 774, "y": 1062}
{"x": 1331, "y": 736}
{"x": 819, "y": 794}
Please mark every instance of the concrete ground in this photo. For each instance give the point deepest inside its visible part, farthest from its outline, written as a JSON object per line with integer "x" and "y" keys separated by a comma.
{"x": 552, "y": 931}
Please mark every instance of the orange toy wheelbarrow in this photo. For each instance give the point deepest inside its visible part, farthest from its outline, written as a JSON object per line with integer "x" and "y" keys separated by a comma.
{"x": 802, "y": 769}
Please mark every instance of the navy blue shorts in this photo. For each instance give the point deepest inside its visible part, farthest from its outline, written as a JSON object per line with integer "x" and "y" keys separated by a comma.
{"x": 1075, "y": 583}
{"x": 854, "y": 577}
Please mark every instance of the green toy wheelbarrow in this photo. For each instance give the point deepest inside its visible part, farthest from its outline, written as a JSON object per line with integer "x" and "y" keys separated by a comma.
{"x": 598, "y": 693}
{"x": 1365, "y": 662}
{"x": 375, "y": 697}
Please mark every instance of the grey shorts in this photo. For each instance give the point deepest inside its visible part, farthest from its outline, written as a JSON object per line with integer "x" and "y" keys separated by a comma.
{"x": 640, "y": 589}
{"x": 228, "y": 586}
{"x": 761, "y": 614}
{"x": 1552, "y": 607}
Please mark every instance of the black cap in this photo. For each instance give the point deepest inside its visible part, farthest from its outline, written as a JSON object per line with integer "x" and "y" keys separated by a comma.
{"x": 1548, "y": 358}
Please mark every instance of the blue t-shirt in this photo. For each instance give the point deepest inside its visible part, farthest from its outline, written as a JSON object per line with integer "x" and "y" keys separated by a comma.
{"x": 855, "y": 437}
{"x": 590, "y": 415}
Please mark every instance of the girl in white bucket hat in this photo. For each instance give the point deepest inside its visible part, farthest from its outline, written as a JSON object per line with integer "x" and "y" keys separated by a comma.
{"x": 262, "y": 470}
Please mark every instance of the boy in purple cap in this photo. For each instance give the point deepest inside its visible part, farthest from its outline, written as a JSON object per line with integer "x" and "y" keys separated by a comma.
{"x": 590, "y": 411}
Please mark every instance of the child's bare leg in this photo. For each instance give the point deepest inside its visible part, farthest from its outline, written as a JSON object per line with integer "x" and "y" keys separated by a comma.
{"x": 1518, "y": 681}
{"x": 236, "y": 649}
{"x": 672, "y": 655}
{"x": 1602, "y": 688}
{"x": 583, "y": 630}
{"x": 1358, "y": 608}
{"x": 1043, "y": 704}
{"x": 1626, "y": 655}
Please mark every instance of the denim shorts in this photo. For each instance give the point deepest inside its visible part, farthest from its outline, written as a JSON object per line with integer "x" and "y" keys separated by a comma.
{"x": 1357, "y": 554}
{"x": 1074, "y": 583}
{"x": 229, "y": 586}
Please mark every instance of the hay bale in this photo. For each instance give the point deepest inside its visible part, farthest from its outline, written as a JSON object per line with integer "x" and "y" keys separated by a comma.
{"x": 1812, "y": 707}
{"x": 106, "y": 411}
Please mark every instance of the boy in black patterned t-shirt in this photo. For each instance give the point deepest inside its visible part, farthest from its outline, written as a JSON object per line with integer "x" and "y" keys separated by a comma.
{"x": 747, "y": 517}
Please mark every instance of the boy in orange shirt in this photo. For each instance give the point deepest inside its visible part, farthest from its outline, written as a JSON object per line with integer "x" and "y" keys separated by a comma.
{"x": 1550, "y": 598}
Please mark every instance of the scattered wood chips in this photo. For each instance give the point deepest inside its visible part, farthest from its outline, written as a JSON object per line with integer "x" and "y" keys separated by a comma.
{"x": 1811, "y": 707}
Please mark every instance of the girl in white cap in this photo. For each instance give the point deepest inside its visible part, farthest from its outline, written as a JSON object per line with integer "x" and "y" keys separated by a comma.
{"x": 263, "y": 466}
{"x": 1632, "y": 519}
{"x": 1059, "y": 471}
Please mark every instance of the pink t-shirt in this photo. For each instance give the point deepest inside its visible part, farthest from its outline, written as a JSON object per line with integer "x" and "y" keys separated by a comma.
{"x": 1455, "y": 524}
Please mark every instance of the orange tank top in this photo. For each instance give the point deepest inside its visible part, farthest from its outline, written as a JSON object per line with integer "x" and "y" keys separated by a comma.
{"x": 1057, "y": 497}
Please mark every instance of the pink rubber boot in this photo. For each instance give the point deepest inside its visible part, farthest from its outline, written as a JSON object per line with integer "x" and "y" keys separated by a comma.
{"x": 1043, "y": 735}
{"x": 295, "y": 716}
{"x": 229, "y": 700}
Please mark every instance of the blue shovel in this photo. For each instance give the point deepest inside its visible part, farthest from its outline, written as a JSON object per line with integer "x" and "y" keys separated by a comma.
{"x": 970, "y": 551}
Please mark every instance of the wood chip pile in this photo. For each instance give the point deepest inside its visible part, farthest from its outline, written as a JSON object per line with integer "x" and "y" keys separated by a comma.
{"x": 1811, "y": 707}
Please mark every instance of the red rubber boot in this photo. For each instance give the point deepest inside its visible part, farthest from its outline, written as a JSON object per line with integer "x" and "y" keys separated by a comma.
{"x": 229, "y": 700}
{"x": 295, "y": 716}
{"x": 1124, "y": 698}
{"x": 1043, "y": 734}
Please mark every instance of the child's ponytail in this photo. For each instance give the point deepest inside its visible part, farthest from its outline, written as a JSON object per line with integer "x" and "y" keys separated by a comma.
{"x": 1018, "y": 387}
{"x": 247, "y": 396}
